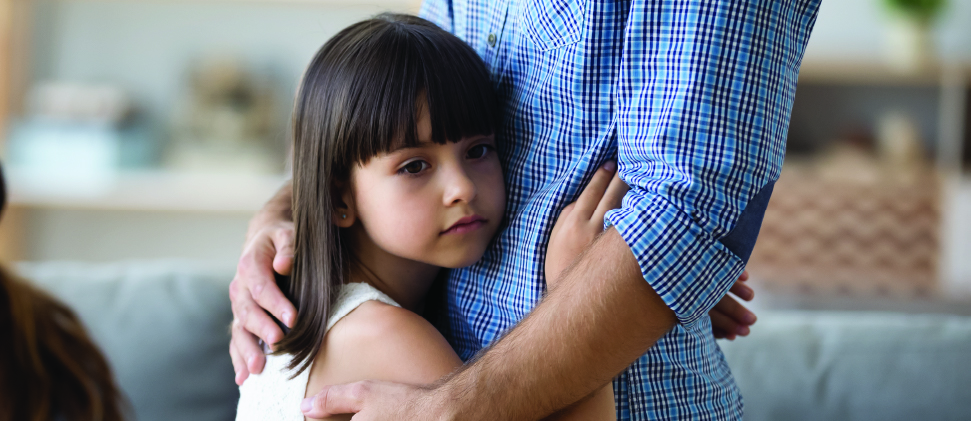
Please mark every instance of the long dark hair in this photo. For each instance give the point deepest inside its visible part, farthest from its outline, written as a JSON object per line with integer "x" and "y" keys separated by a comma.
{"x": 359, "y": 97}
{"x": 49, "y": 367}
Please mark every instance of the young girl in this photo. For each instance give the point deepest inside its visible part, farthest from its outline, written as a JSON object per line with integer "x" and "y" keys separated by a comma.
{"x": 395, "y": 176}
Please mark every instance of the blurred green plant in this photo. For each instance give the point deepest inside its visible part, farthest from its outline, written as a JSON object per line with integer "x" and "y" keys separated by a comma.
{"x": 921, "y": 11}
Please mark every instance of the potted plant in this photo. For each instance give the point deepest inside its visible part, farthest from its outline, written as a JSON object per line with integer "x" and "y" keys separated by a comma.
{"x": 910, "y": 46}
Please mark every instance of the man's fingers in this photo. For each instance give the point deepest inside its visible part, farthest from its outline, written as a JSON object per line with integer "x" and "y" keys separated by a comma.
{"x": 255, "y": 274}
{"x": 239, "y": 364}
{"x": 255, "y": 321}
{"x": 248, "y": 350}
{"x": 339, "y": 399}
{"x": 283, "y": 263}
{"x": 594, "y": 191}
{"x": 283, "y": 244}
{"x": 612, "y": 199}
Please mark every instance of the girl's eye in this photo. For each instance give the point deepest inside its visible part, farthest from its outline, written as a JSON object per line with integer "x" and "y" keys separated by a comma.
{"x": 414, "y": 167}
{"x": 478, "y": 151}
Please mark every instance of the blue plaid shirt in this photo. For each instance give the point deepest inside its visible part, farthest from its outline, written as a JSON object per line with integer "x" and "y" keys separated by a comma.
{"x": 693, "y": 98}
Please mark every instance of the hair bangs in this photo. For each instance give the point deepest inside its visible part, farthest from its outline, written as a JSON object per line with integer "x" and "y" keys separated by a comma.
{"x": 363, "y": 94}
{"x": 413, "y": 67}
{"x": 457, "y": 91}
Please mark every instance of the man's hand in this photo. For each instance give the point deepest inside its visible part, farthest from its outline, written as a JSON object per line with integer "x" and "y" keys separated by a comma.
{"x": 268, "y": 248}
{"x": 375, "y": 400}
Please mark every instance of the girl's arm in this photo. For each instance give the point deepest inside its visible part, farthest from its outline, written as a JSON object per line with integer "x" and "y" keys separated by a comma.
{"x": 380, "y": 342}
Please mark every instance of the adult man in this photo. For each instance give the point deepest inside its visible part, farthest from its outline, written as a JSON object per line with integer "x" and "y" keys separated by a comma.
{"x": 693, "y": 97}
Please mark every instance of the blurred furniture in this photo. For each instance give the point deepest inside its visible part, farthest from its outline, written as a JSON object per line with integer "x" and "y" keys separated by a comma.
{"x": 823, "y": 365}
{"x": 871, "y": 194}
{"x": 163, "y": 326}
{"x": 873, "y": 234}
{"x": 148, "y": 49}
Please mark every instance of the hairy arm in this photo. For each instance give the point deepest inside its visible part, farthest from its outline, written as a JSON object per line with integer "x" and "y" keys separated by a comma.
{"x": 704, "y": 94}
{"x": 495, "y": 387}
{"x": 624, "y": 304}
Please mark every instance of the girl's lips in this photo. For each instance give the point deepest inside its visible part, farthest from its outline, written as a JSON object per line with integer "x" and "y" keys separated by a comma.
{"x": 465, "y": 225}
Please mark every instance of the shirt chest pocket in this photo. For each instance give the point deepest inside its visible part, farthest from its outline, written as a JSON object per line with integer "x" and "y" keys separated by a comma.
{"x": 553, "y": 23}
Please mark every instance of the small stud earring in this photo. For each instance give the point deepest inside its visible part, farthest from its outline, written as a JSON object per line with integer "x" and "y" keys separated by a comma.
{"x": 344, "y": 216}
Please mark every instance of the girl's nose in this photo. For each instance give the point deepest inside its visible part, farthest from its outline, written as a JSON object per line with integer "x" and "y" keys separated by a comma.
{"x": 459, "y": 187}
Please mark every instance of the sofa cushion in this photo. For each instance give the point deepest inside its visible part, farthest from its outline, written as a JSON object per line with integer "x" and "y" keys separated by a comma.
{"x": 826, "y": 365}
{"x": 162, "y": 326}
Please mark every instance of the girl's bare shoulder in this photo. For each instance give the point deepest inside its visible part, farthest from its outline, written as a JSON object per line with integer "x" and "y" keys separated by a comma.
{"x": 383, "y": 342}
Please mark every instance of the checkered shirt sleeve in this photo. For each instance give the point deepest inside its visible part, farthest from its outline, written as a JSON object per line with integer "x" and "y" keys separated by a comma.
{"x": 705, "y": 92}
{"x": 693, "y": 99}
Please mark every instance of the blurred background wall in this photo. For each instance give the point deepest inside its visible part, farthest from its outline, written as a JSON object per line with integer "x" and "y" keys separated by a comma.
{"x": 154, "y": 128}
{"x": 187, "y": 73}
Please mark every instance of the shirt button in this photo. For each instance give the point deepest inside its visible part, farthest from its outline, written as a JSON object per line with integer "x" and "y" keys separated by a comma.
{"x": 492, "y": 40}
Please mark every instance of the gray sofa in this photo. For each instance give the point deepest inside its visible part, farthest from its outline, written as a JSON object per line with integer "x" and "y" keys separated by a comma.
{"x": 812, "y": 365}
{"x": 163, "y": 326}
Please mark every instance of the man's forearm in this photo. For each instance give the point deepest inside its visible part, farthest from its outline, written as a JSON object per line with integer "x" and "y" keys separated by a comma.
{"x": 597, "y": 321}
{"x": 281, "y": 204}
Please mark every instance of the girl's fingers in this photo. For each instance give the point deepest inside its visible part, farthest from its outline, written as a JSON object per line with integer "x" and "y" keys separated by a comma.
{"x": 728, "y": 307}
{"x": 744, "y": 276}
{"x": 742, "y": 291}
{"x": 612, "y": 199}
{"x": 594, "y": 191}
{"x": 723, "y": 325}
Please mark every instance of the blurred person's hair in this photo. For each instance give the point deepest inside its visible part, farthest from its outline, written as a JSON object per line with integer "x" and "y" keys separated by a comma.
{"x": 49, "y": 367}
{"x": 361, "y": 95}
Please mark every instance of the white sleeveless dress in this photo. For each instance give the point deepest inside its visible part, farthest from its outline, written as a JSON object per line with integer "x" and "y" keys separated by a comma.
{"x": 272, "y": 395}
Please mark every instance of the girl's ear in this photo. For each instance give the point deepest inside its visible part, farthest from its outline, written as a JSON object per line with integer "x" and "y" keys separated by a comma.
{"x": 344, "y": 209}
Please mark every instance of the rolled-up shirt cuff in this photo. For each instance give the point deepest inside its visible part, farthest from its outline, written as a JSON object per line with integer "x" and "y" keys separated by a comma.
{"x": 684, "y": 264}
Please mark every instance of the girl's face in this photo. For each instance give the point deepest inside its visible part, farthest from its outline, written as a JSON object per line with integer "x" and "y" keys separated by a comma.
{"x": 436, "y": 204}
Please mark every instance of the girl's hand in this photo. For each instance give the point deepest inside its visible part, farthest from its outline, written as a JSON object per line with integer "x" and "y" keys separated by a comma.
{"x": 582, "y": 221}
{"x": 729, "y": 318}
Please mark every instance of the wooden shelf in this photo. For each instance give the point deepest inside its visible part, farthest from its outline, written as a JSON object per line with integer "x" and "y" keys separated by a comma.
{"x": 874, "y": 73}
{"x": 143, "y": 191}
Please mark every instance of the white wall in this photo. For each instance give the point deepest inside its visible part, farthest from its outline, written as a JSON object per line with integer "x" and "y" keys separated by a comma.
{"x": 854, "y": 31}
{"x": 113, "y": 235}
{"x": 146, "y": 47}
{"x": 956, "y": 238}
